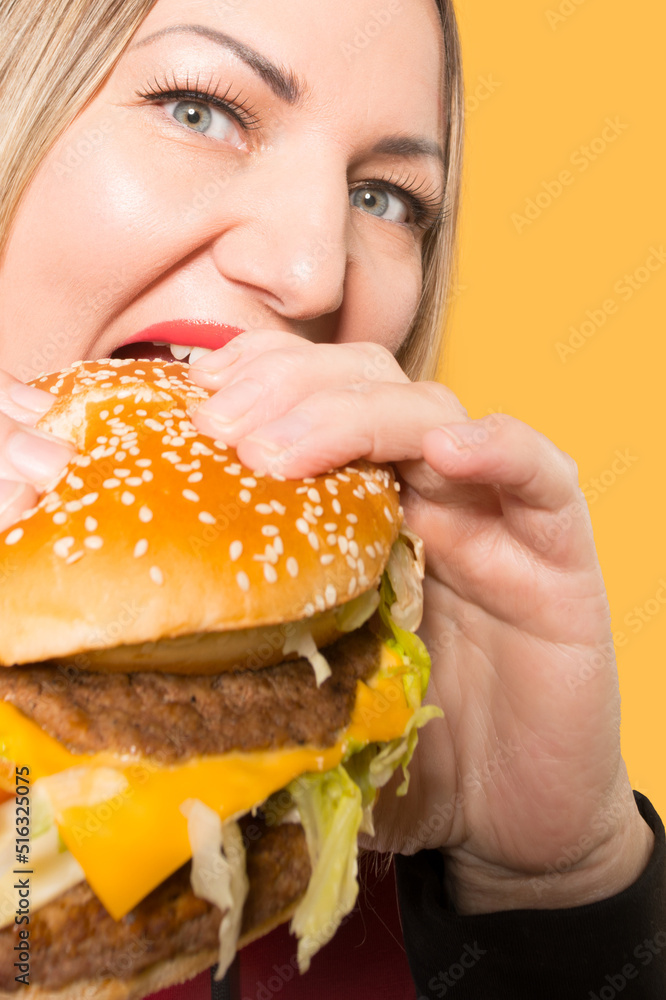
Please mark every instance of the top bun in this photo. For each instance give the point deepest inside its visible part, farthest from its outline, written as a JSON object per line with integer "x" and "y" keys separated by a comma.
{"x": 155, "y": 530}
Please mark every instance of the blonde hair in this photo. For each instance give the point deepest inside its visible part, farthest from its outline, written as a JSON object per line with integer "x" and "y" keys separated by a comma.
{"x": 54, "y": 56}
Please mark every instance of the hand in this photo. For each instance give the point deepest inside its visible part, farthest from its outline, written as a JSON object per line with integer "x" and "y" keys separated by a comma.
{"x": 523, "y": 776}
{"x": 28, "y": 458}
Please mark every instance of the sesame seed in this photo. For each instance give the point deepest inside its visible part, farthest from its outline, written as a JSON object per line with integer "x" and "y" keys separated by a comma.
{"x": 269, "y": 530}
{"x": 89, "y": 498}
{"x": 154, "y": 425}
{"x": 353, "y": 548}
{"x": 74, "y": 481}
{"x": 75, "y": 556}
{"x": 320, "y": 603}
{"x": 388, "y": 515}
{"x": 59, "y": 518}
{"x": 313, "y": 540}
{"x": 207, "y": 518}
{"x": 109, "y": 484}
{"x": 263, "y": 508}
{"x": 243, "y": 581}
{"x": 143, "y": 462}
{"x": 147, "y": 475}
{"x": 14, "y": 536}
{"x": 313, "y": 495}
{"x": 145, "y": 514}
{"x": 72, "y": 506}
{"x": 292, "y": 566}
{"x": 331, "y": 486}
{"x": 127, "y": 498}
{"x": 94, "y": 542}
{"x": 134, "y": 481}
{"x": 121, "y": 473}
{"x": 352, "y": 518}
{"x": 330, "y": 526}
{"x": 302, "y": 526}
{"x": 235, "y": 550}
{"x": 330, "y": 594}
{"x": 270, "y": 573}
{"x": 195, "y": 477}
{"x": 191, "y": 495}
{"x": 278, "y": 546}
{"x": 370, "y": 549}
{"x": 156, "y": 575}
{"x": 141, "y": 548}
{"x": 245, "y": 496}
{"x": 337, "y": 506}
{"x": 248, "y": 481}
{"x": 62, "y": 546}
{"x": 91, "y": 524}
{"x": 278, "y": 507}
{"x": 325, "y": 560}
{"x": 343, "y": 544}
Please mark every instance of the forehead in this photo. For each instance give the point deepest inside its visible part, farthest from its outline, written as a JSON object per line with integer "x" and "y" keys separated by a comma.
{"x": 378, "y": 60}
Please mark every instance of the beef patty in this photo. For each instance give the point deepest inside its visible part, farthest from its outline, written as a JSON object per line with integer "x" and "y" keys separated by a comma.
{"x": 174, "y": 717}
{"x": 73, "y": 938}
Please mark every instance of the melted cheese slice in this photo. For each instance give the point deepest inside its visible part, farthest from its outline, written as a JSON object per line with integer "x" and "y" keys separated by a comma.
{"x": 130, "y": 843}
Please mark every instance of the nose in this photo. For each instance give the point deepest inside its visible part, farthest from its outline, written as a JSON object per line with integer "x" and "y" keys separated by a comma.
{"x": 288, "y": 237}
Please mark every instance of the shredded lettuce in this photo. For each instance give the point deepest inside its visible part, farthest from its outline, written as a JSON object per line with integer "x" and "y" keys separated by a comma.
{"x": 354, "y": 613}
{"x": 330, "y": 808}
{"x": 218, "y": 872}
{"x": 302, "y": 642}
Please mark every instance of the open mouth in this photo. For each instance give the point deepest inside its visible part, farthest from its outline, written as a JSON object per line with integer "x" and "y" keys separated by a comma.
{"x": 177, "y": 340}
{"x": 160, "y": 350}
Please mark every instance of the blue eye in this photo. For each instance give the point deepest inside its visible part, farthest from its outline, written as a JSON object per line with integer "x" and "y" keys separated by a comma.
{"x": 379, "y": 202}
{"x": 204, "y": 119}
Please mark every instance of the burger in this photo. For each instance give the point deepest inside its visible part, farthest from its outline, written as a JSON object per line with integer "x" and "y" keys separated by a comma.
{"x": 206, "y": 675}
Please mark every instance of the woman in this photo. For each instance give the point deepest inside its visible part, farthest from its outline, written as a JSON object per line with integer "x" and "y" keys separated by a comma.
{"x": 297, "y": 177}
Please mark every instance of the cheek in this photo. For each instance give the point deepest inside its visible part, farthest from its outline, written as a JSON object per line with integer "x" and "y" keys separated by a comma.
{"x": 100, "y": 221}
{"x": 382, "y": 294}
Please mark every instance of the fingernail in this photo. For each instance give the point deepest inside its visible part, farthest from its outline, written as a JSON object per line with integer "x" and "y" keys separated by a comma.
{"x": 216, "y": 361}
{"x": 9, "y": 494}
{"x": 30, "y": 398}
{"x": 281, "y": 433}
{"x": 234, "y": 402}
{"x": 462, "y": 435}
{"x": 36, "y": 456}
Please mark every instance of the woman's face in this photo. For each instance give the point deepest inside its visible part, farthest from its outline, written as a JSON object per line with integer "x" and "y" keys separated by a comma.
{"x": 295, "y": 196}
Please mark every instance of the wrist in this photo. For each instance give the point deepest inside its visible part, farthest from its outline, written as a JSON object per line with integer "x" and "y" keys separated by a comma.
{"x": 475, "y": 887}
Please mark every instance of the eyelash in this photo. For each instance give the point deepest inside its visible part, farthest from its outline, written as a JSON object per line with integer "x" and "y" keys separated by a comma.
{"x": 425, "y": 206}
{"x": 206, "y": 94}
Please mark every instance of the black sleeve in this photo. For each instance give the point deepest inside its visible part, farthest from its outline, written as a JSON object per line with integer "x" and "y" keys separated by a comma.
{"x": 613, "y": 948}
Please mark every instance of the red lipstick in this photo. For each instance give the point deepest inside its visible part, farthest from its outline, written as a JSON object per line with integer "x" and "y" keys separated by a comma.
{"x": 193, "y": 333}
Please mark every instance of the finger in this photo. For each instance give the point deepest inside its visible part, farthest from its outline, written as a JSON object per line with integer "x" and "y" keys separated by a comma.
{"x": 383, "y": 422}
{"x": 28, "y": 455}
{"x": 272, "y": 382}
{"x": 503, "y": 450}
{"x": 215, "y": 369}
{"x": 537, "y": 483}
{"x": 23, "y": 402}
{"x": 14, "y": 499}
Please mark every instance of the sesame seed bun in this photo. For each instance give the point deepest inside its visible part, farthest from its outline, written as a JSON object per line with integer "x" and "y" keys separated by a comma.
{"x": 157, "y": 532}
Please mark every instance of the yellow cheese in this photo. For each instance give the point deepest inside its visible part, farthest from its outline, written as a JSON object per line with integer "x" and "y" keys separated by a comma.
{"x": 133, "y": 841}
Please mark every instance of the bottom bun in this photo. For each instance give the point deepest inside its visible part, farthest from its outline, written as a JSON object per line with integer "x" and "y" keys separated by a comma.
{"x": 78, "y": 952}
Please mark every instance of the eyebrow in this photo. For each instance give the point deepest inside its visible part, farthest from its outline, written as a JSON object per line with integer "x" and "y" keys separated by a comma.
{"x": 286, "y": 85}
{"x": 282, "y": 82}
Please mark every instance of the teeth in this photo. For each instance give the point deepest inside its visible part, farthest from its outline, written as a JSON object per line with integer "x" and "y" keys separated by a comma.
{"x": 180, "y": 351}
{"x": 198, "y": 352}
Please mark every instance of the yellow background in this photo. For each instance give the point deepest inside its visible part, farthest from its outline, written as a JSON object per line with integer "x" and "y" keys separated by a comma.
{"x": 542, "y": 78}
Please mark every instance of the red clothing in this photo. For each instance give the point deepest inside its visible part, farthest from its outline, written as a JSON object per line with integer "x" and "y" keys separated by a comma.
{"x": 365, "y": 959}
